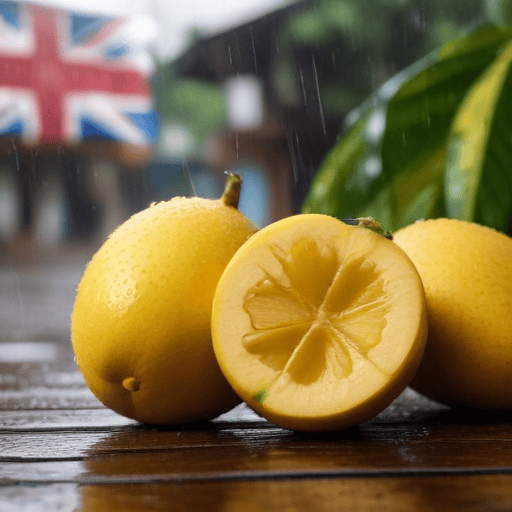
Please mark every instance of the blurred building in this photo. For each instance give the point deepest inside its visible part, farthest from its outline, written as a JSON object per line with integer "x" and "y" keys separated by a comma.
{"x": 276, "y": 127}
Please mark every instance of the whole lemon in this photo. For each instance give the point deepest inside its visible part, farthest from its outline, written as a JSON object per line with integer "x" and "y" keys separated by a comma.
{"x": 466, "y": 271}
{"x": 140, "y": 325}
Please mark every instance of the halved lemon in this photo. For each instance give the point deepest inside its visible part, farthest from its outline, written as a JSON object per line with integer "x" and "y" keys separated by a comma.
{"x": 318, "y": 325}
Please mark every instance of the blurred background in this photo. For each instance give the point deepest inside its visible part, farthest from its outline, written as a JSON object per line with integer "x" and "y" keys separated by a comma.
{"x": 107, "y": 107}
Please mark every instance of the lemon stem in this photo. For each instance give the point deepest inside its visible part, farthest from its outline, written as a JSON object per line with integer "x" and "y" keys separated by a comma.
{"x": 231, "y": 194}
{"x": 371, "y": 224}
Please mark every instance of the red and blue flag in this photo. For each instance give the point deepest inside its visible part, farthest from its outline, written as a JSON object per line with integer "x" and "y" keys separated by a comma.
{"x": 68, "y": 77}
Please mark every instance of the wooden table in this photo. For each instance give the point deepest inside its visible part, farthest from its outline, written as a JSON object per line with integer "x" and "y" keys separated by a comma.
{"x": 61, "y": 450}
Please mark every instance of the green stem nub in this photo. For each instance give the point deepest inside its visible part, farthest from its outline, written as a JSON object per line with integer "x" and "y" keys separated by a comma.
{"x": 371, "y": 224}
{"x": 231, "y": 194}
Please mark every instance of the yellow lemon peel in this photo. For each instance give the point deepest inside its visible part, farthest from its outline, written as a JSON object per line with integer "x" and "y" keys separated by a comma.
{"x": 143, "y": 310}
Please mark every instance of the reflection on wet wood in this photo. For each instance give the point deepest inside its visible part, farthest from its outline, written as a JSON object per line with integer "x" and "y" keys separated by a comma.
{"x": 397, "y": 494}
{"x": 60, "y": 446}
{"x": 248, "y": 450}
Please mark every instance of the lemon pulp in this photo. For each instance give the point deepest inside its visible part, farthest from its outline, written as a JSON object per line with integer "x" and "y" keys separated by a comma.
{"x": 318, "y": 325}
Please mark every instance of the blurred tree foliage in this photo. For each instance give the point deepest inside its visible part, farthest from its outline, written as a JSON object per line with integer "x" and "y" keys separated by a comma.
{"x": 195, "y": 104}
{"x": 360, "y": 43}
{"x": 356, "y": 44}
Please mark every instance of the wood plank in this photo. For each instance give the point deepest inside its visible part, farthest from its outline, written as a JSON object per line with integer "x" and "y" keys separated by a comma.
{"x": 60, "y": 448}
{"x": 36, "y": 386}
{"x": 471, "y": 494}
{"x": 33, "y": 447}
{"x": 460, "y": 445}
{"x": 230, "y": 450}
{"x": 44, "y": 498}
{"x": 151, "y": 471}
{"x": 96, "y": 418}
{"x": 398, "y": 494}
{"x": 40, "y": 397}
{"x": 37, "y": 300}
{"x": 60, "y": 373}
{"x": 405, "y": 494}
{"x": 55, "y": 384}
{"x": 45, "y": 420}
{"x": 427, "y": 436}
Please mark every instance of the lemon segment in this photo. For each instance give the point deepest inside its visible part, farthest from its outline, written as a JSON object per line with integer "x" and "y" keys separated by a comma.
{"x": 318, "y": 325}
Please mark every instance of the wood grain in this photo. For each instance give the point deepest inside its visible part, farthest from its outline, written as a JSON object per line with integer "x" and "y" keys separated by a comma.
{"x": 402, "y": 494}
{"x": 60, "y": 449}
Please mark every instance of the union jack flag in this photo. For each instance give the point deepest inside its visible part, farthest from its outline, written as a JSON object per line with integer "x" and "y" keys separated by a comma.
{"x": 68, "y": 77}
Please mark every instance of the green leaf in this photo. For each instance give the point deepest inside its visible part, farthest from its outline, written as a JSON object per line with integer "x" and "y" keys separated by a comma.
{"x": 415, "y": 194}
{"x": 333, "y": 192}
{"x": 478, "y": 183}
{"x": 418, "y": 192}
{"x": 420, "y": 113}
{"x": 390, "y": 163}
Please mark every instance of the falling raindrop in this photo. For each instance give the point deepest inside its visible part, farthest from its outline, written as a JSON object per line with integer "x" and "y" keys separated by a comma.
{"x": 303, "y": 87}
{"x": 276, "y": 41}
{"x": 16, "y": 154}
{"x": 294, "y": 157}
{"x": 20, "y": 298}
{"x": 190, "y": 180}
{"x": 319, "y": 99}
{"x": 254, "y": 52}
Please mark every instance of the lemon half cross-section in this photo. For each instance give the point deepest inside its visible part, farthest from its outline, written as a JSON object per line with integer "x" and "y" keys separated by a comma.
{"x": 318, "y": 325}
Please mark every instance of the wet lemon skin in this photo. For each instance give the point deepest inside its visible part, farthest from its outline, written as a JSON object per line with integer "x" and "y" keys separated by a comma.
{"x": 466, "y": 270}
{"x": 141, "y": 319}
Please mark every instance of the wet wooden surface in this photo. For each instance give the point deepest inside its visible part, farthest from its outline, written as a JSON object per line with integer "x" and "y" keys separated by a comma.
{"x": 61, "y": 450}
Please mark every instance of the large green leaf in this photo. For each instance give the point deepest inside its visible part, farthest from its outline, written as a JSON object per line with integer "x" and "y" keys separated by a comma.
{"x": 390, "y": 162}
{"x": 419, "y": 115}
{"x": 479, "y": 164}
{"x": 333, "y": 192}
{"x": 415, "y": 194}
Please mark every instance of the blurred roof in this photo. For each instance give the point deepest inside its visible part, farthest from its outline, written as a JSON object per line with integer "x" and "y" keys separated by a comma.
{"x": 241, "y": 50}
